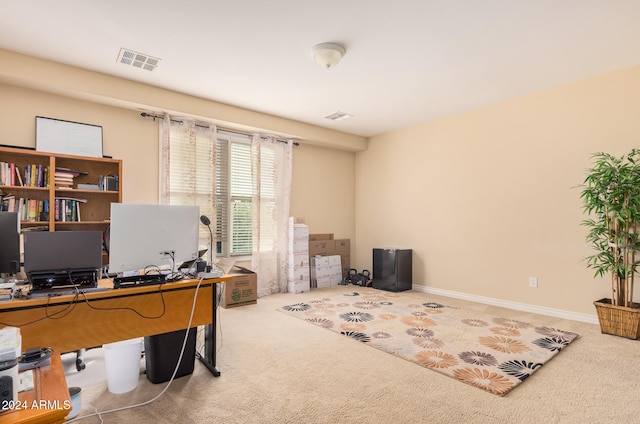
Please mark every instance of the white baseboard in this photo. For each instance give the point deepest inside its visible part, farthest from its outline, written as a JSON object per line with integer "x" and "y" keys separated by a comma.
{"x": 559, "y": 313}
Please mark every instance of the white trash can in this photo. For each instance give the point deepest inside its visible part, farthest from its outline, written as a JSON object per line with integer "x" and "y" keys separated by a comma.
{"x": 122, "y": 360}
{"x": 75, "y": 394}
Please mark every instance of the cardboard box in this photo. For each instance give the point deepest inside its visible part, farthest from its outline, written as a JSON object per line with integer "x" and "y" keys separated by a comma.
{"x": 299, "y": 273}
{"x": 299, "y": 260}
{"x": 346, "y": 265}
{"x": 298, "y": 247}
{"x": 298, "y": 232}
{"x": 343, "y": 247}
{"x": 325, "y": 271}
{"x": 322, "y": 247}
{"x": 318, "y": 237}
{"x": 241, "y": 290}
{"x": 298, "y": 286}
{"x": 322, "y": 282}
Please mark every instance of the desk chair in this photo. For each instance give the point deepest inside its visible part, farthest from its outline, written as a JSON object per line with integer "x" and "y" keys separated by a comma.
{"x": 80, "y": 365}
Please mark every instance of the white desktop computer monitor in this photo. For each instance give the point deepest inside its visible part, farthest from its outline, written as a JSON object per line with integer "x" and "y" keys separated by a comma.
{"x": 149, "y": 236}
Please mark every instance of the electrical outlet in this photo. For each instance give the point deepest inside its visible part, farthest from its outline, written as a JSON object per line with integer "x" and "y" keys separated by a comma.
{"x": 533, "y": 282}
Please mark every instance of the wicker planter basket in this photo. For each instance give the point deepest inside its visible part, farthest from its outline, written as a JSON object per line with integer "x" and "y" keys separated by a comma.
{"x": 618, "y": 320}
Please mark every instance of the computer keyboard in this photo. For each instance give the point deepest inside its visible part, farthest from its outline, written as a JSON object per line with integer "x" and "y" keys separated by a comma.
{"x": 64, "y": 292}
{"x": 139, "y": 280}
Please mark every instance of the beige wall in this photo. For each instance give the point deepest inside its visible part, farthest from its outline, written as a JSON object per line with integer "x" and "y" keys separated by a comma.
{"x": 486, "y": 198}
{"x": 126, "y": 135}
{"x": 323, "y": 189}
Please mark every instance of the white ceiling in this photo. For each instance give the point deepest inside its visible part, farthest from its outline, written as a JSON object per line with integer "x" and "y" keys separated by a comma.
{"x": 407, "y": 61}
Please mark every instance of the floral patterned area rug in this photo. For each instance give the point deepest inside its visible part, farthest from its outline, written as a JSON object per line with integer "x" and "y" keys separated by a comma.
{"x": 492, "y": 353}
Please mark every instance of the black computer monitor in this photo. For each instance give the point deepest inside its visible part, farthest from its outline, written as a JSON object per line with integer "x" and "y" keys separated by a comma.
{"x": 63, "y": 251}
{"x": 10, "y": 244}
{"x": 62, "y": 259}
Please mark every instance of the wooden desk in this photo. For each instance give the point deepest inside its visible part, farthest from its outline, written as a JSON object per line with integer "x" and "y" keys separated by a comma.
{"x": 48, "y": 402}
{"x": 72, "y": 322}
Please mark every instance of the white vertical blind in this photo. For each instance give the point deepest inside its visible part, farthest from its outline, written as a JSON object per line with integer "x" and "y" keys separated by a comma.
{"x": 268, "y": 206}
{"x": 222, "y": 195}
{"x": 240, "y": 198}
{"x": 192, "y": 170}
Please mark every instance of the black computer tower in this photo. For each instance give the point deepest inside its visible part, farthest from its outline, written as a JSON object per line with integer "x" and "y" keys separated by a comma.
{"x": 161, "y": 353}
{"x": 392, "y": 269}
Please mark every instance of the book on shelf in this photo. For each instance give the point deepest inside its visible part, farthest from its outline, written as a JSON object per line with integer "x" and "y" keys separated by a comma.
{"x": 77, "y": 199}
{"x": 36, "y": 175}
{"x": 67, "y": 209}
{"x": 31, "y": 210}
{"x": 8, "y": 203}
{"x": 63, "y": 177}
{"x": 108, "y": 182}
{"x": 33, "y": 175}
{"x": 71, "y": 172}
{"x": 88, "y": 186}
{"x": 19, "y": 177}
{"x": 35, "y": 228}
{"x": 7, "y": 173}
{"x": 40, "y": 176}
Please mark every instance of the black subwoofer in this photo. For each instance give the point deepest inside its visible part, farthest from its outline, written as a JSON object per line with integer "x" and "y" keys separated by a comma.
{"x": 392, "y": 269}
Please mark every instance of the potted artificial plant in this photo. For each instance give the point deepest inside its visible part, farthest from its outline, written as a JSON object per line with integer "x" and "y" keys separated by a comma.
{"x": 611, "y": 196}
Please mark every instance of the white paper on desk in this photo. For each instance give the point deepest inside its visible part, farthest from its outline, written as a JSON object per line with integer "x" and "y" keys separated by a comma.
{"x": 25, "y": 381}
{"x": 10, "y": 343}
{"x": 225, "y": 265}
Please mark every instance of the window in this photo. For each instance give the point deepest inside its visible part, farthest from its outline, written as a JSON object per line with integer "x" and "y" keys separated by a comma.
{"x": 233, "y": 194}
{"x": 207, "y": 169}
{"x": 241, "y": 183}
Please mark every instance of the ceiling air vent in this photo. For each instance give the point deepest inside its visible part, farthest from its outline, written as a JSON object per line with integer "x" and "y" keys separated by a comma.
{"x": 338, "y": 116}
{"x": 138, "y": 60}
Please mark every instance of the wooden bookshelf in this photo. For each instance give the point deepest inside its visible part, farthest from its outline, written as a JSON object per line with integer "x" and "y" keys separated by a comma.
{"x": 95, "y": 207}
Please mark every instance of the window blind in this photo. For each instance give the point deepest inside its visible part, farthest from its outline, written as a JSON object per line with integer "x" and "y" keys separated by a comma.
{"x": 191, "y": 171}
{"x": 215, "y": 172}
{"x": 240, "y": 198}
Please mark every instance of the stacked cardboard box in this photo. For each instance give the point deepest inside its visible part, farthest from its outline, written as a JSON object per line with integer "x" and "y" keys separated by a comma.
{"x": 298, "y": 275}
{"x": 325, "y": 271}
{"x": 325, "y": 245}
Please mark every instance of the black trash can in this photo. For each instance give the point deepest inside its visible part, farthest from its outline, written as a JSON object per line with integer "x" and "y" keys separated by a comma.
{"x": 162, "y": 351}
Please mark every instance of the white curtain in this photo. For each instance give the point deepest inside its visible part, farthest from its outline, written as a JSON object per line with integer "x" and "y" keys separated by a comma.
{"x": 271, "y": 173}
{"x": 187, "y": 171}
{"x": 164, "y": 164}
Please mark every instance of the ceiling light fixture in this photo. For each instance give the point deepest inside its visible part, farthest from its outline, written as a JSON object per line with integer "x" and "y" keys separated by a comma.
{"x": 328, "y": 55}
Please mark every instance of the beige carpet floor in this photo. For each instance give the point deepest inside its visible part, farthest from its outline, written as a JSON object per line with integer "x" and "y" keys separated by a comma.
{"x": 276, "y": 369}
